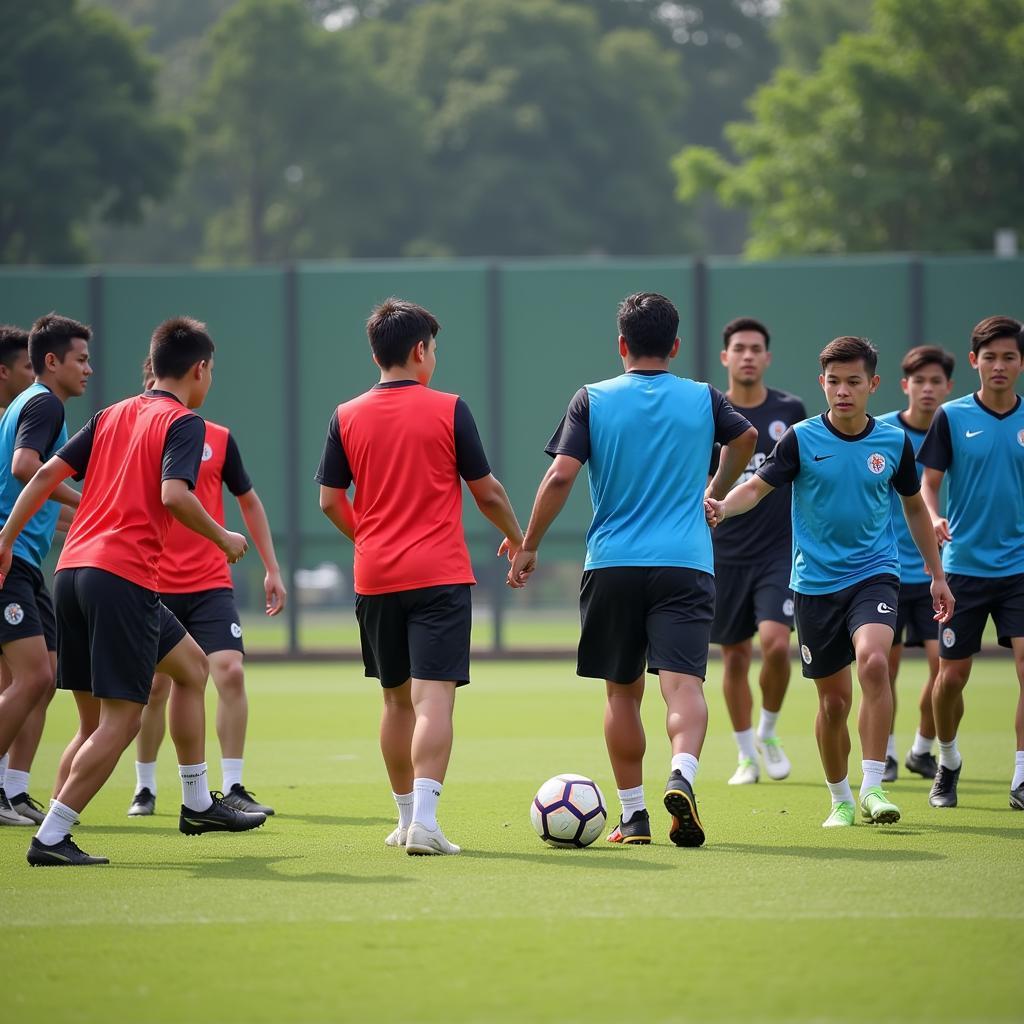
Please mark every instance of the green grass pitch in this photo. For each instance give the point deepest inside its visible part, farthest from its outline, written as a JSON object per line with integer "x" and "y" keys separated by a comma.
{"x": 311, "y": 919}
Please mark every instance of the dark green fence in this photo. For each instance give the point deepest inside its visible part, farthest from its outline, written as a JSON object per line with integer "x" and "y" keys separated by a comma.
{"x": 519, "y": 337}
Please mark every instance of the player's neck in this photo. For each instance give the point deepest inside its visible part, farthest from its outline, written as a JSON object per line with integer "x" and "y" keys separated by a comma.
{"x": 645, "y": 363}
{"x": 849, "y": 426}
{"x": 178, "y": 388}
{"x": 54, "y": 387}
{"x": 396, "y": 374}
{"x": 998, "y": 401}
{"x": 917, "y": 419}
{"x": 747, "y": 396}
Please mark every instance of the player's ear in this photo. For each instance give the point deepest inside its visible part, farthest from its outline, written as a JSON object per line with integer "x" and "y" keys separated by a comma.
{"x": 623, "y": 347}
{"x": 875, "y": 381}
{"x": 821, "y": 381}
{"x": 768, "y": 357}
{"x": 674, "y": 351}
{"x": 972, "y": 358}
{"x": 905, "y": 385}
{"x": 724, "y": 356}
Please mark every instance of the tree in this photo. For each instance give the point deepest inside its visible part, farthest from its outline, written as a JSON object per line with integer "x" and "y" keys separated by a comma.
{"x": 82, "y": 137}
{"x": 544, "y": 136}
{"x": 906, "y": 137}
{"x": 806, "y": 28}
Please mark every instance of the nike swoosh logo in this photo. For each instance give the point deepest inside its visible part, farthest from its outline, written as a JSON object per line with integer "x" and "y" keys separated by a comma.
{"x": 885, "y": 609}
{"x": 822, "y": 458}
{"x": 973, "y": 433}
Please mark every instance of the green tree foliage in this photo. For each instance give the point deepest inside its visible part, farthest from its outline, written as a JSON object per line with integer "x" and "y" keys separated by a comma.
{"x": 907, "y": 137}
{"x": 81, "y": 136}
{"x": 544, "y": 135}
{"x": 806, "y": 28}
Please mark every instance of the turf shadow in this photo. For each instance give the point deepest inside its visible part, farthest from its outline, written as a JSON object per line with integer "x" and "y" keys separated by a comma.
{"x": 833, "y": 852}
{"x": 1013, "y": 833}
{"x": 253, "y": 868}
{"x": 574, "y": 858}
{"x": 333, "y": 819}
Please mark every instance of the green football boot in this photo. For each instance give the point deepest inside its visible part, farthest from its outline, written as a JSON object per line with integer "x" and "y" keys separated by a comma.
{"x": 843, "y": 814}
{"x": 874, "y": 807}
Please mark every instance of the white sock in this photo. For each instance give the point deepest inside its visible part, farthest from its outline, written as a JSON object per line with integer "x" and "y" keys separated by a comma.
{"x": 59, "y": 821}
{"x": 632, "y": 801}
{"x": 873, "y": 772}
{"x": 890, "y": 750}
{"x": 195, "y": 786}
{"x": 841, "y": 792}
{"x": 231, "y": 768}
{"x": 745, "y": 744}
{"x": 145, "y": 778}
{"x": 15, "y": 782}
{"x": 949, "y": 755}
{"x": 1018, "y": 770}
{"x": 426, "y": 793}
{"x": 766, "y": 724}
{"x": 404, "y": 801}
{"x": 922, "y": 744}
{"x": 686, "y": 765}
{"x": 3, "y": 769}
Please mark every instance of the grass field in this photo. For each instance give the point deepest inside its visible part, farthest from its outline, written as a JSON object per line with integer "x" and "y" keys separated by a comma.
{"x": 311, "y": 919}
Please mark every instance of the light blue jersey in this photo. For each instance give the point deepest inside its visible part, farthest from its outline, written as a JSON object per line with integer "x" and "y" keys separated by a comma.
{"x": 33, "y": 543}
{"x": 842, "y": 500}
{"x": 982, "y": 455}
{"x": 911, "y": 563}
{"x": 647, "y": 437}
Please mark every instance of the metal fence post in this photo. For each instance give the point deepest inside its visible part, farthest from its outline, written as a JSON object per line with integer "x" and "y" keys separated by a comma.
{"x": 496, "y": 420}
{"x": 701, "y": 360}
{"x": 97, "y": 353}
{"x": 293, "y": 520}
{"x": 915, "y": 300}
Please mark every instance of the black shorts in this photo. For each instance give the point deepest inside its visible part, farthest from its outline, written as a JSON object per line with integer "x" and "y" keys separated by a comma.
{"x": 27, "y": 607}
{"x": 747, "y": 595}
{"x": 210, "y": 616}
{"x": 978, "y": 597}
{"x": 111, "y": 633}
{"x": 636, "y": 614}
{"x": 915, "y": 615}
{"x": 825, "y": 623}
{"x": 421, "y": 633}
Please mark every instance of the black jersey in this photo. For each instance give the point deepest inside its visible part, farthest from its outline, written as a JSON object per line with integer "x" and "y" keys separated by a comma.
{"x": 766, "y": 532}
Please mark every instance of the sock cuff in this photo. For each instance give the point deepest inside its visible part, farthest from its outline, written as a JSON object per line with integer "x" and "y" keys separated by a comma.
{"x": 636, "y": 793}
{"x": 403, "y": 798}
{"x": 62, "y": 811}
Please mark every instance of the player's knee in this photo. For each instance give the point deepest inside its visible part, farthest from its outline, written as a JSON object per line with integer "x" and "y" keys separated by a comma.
{"x": 775, "y": 652}
{"x": 231, "y": 682}
{"x": 835, "y": 707}
{"x": 736, "y": 660}
{"x": 873, "y": 668}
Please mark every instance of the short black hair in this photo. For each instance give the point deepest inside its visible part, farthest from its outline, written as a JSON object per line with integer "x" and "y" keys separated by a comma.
{"x": 848, "y": 349}
{"x": 147, "y": 370}
{"x": 993, "y": 327}
{"x": 177, "y": 345}
{"x": 395, "y": 328}
{"x": 13, "y": 341}
{"x": 53, "y": 333}
{"x": 649, "y": 323}
{"x": 745, "y": 323}
{"x": 928, "y": 355}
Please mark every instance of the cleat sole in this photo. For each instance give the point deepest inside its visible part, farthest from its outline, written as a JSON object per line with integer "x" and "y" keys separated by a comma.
{"x": 686, "y": 829}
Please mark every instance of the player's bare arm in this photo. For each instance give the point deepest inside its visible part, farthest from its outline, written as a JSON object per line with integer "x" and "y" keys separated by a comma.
{"x": 26, "y": 463}
{"x": 188, "y": 510}
{"x": 734, "y": 460}
{"x": 335, "y": 505}
{"x": 255, "y": 517}
{"x": 931, "y": 486}
{"x": 492, "y": 500}
{"x": 37, "y": 491}
{"x": 919, "y": 521}
{"x": 736, "y": 502}
{"x": 552, "y": 495}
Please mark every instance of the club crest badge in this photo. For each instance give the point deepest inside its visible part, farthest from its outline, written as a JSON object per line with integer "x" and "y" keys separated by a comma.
{"x": 236, "y": 630}
{"x": 14, "y": 614}
{"x": 787, "y": 607}
{"x": 207, "y": 453}
{"x": 948, "y": 637}
{"x": 777, "y": 428}
{"x": 876, "y": 463}
{"x": 805, "y": 653}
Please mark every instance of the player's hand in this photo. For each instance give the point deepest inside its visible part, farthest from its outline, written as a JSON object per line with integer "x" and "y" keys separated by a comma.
{"x": 523, "y": 564}
{"x": 6, "y": 557}
{"x": 942, "y": 600}
{"x": 273, "y": 587}
{"x": 942, "y": 534}
{"x": 713, "y": 512}
{"x": 234, "y": 546}
{"x": 509, "y": 548}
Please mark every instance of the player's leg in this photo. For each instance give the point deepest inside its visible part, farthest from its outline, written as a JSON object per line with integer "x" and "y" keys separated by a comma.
{"x": 147, "y": 747}
{"x": 8, "y": 815}
{"x": 397, "y": 724}
{"x": 920, "y": 758}
{"x": 774, "y": 683}
{"x": 88, "y": 708}
{"x": 626, "y": 743}
{"x": 686, "y": 721}
{"x": 31, "y": 682}
{"x": 832, "y": 733}
{"x": 1017, "y": 782}
{"x": 892, "y": 767}
{"x": 1008, "y": 613}
{"x": 872, "y": 643}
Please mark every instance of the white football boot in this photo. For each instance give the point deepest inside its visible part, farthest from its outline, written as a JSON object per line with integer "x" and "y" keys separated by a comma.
{"x": 776, "y": 764}
{"x": 746, "y": 774}
{"x": 423, "y": 841}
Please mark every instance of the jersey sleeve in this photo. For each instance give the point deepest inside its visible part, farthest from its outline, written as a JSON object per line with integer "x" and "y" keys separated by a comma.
{"x": 783, "y": 465}
{"x": 40, "y": 423}
{"x": 572, "y": 436}
{"x": 78, "y": 449}
{"x": 334, "y": 470}
{"x": 905, "y": 480}
{"x": 183, "y": 450}
{"x": 936, "y": 451}
{"x": 236, "y": 479}
{"x": 470, "y": 458}
{"x": 729, "y": 424}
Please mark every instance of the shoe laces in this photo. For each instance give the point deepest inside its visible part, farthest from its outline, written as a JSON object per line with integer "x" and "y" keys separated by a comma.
{"x": 772, "y": 749}
{"x": 239, "y": 790}
{"x": 73, "y": 845}
{"x": 34, "y": 804}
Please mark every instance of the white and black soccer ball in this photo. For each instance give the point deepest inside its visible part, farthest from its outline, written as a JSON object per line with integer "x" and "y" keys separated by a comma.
{"x": 569, "y": 810}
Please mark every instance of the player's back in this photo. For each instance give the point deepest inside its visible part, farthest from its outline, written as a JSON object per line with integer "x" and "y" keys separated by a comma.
{"x": 121, "y": 524}
{"x": 651, "y": 435}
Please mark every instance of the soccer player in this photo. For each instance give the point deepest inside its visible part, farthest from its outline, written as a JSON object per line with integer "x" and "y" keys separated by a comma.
{"x": 196, "y": 586}
{"x": 978, "y": 442}
{"x": 407, "y": 449}
{"x": 927, "y": 381}
{"x": 140, "y": 460}
{"x": 31, "y": 430}
{"x": 648, "y": 591}
{"x": 752, "y": 562}
{"x": 843, "y": 466}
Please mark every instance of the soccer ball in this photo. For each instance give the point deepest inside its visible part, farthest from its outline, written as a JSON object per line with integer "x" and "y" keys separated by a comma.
{"x": 568, "y": 810}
